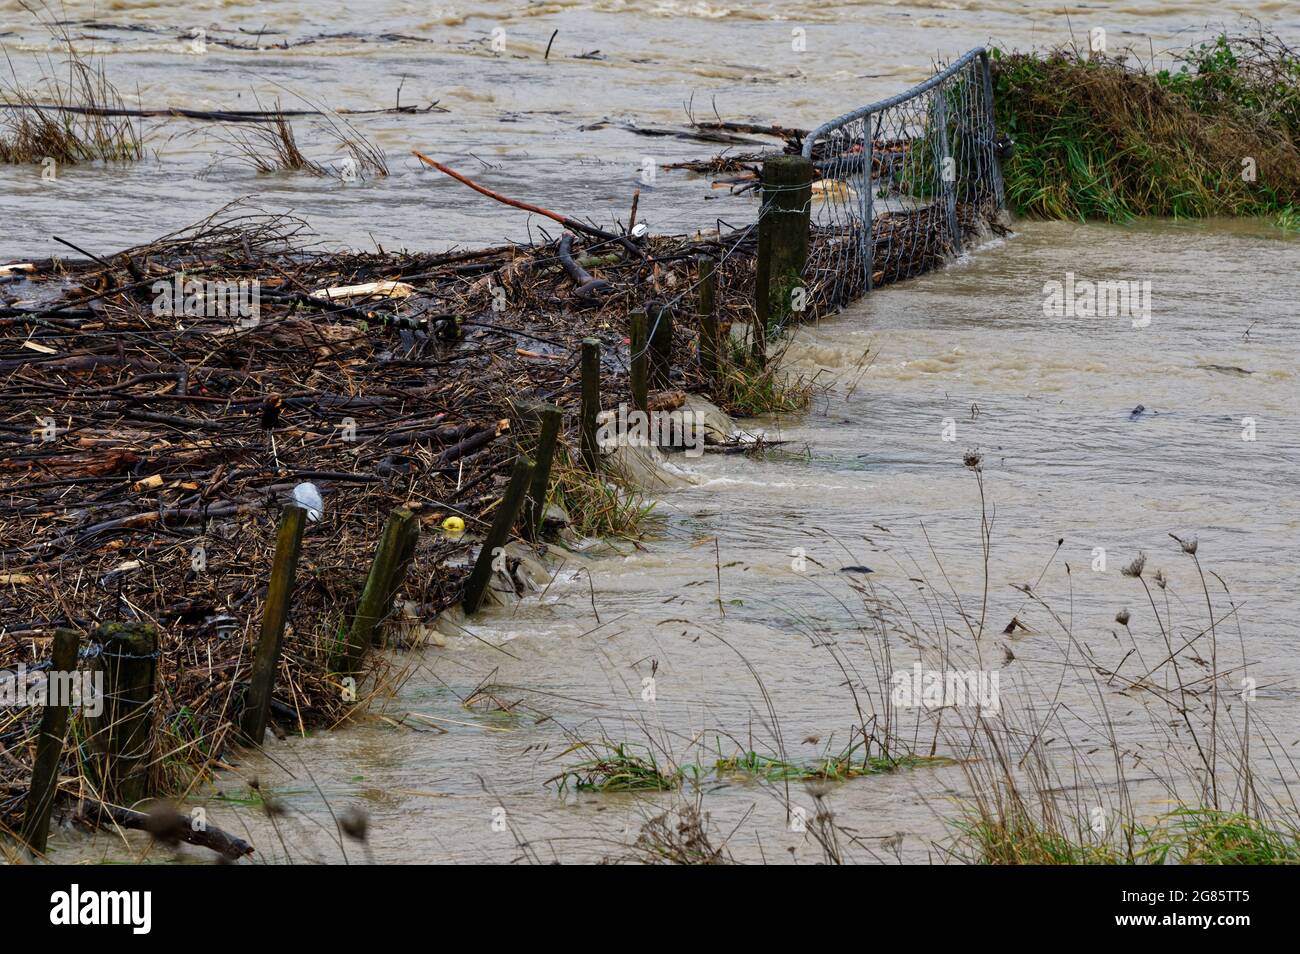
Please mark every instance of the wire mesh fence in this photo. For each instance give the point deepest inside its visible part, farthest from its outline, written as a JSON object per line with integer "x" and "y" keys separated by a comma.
{"x": 902, "y": 184}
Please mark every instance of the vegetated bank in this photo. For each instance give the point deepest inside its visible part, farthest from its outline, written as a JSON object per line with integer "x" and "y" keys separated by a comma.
{"x": 1109, "y": 137}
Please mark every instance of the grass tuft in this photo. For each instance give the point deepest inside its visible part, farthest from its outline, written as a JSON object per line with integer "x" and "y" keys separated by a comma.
{"x": 270, "y": 147}
{"x": 621, "y": 767}
{"x": 273, "y": 147}
{"x": 831, "y": 768}
{"x": 1204, "y": 836}
{"x": 65, "y": 117}
{"x": 744, "y": 389}
{"x": 1190, "y": 836}
{"x": 597, "y": 507}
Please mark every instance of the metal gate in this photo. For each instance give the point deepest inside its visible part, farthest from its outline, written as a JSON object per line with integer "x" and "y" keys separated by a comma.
{"x": 903, "y": 182}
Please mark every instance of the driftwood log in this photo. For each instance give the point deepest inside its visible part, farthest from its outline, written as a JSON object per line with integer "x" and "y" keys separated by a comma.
{"x": 167, "y": 826}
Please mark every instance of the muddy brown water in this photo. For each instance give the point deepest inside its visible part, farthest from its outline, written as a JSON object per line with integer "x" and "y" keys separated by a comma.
{"x": 712, "y": 605}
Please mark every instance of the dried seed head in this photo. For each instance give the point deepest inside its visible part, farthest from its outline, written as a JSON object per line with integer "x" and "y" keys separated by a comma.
{"x": 1160, "y": 579}
{"x": 165, "y": 824}
{"x": 1189, "y": 546}
{"x": 1135, "y": 568}
{"x": 972, "y": 459}
{"x": 354, "y": 823}
{"x": 817, "y": 790}
{"x": 1122, "y": 617}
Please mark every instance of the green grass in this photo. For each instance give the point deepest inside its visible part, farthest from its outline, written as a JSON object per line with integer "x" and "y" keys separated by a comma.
{"x": 1099, "y": 138}
{"x": 1253, "y": 75}
{"x": 1026, "y": 844}
{"x": 622, "y": 767}
{"x": 744, "y": 389}
{"x": 1193, "y": 836}
{"x": 1203, "y": 836}
{"x": 597, "y": 507}
{"x": 829, "y": 768}
{"x": 627, "y": 767}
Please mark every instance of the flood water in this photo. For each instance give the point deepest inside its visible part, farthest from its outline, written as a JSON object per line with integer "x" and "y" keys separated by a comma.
{"x": 745, "y": 647}
{"x": 514, "y": 119}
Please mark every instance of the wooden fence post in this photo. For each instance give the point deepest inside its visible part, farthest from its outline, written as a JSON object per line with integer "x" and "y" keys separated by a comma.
{"x": 550, "y": 417}
{"x": 783, "y": 228}
{"x": 123, "y": 731}
{"x": 590, "y": 402}
{"x": 275, "y": 612}
{"x": 392, "y": 556}
{"x": 49, "y": 744}
{"x": 640, "y": 352}
{"x": 498, "y": 533}
{"x": 707, "y": 278}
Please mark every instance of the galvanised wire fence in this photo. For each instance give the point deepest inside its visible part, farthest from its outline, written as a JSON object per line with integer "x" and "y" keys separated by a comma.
{"x": 902, "y": 184}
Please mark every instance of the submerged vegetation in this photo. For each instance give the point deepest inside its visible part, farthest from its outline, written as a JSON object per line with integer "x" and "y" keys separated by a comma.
{"x": 619, "y": 767}
{"x": 67, "y": 117}
{"x": 269, "y": 147}
{"x": 595, "y": 505}
{"x": 830, "y": 768}
{"x": 633, "y": 767}
{"x": 272, "y": 146}
{"x": 1199, "y": 836}
{"x": 746, "y": 388}
{"x": 649, "y": 766}
{"x": 1108, "y": 137}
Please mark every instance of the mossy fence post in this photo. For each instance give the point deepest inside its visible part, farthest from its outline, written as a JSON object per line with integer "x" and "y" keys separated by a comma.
{"x": 49, "y": 744}
{"x": 783, "y": 226}
{"x": 122, "y": 736}
{"x": 275, "y": 613}
{"x": 507, "y": 513}
{"x": 706, "y": 278}
{"x": 590, "y": 409}
{"x": 549, "y": 418}
{"x": 387, "y": 570}
{"x": 640, "y": 357}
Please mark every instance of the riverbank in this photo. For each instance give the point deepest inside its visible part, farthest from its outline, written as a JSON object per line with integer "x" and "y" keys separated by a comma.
{"x": 1104, "y": 134}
